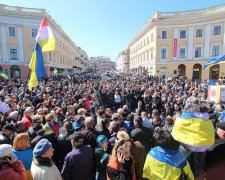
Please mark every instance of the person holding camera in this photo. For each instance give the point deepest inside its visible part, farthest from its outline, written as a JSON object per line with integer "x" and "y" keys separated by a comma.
{"x": 10, "y": 168}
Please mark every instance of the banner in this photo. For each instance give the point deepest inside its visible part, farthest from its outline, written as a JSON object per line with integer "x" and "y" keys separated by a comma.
{"x": 175, "y": 47}
{"x": 216, "y": 93}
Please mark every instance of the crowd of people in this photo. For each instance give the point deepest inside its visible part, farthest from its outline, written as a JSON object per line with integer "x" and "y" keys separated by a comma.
{"x": 125, "y": 128}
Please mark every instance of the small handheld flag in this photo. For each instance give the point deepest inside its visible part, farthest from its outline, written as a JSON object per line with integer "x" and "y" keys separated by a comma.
{"x": 4, "y": 75}
{"x": 55, "y": 70}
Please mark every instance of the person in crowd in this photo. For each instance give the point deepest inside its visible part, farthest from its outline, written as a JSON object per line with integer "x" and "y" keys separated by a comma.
{"x": 10, "y": 167}
{"x": 78, "y": 124}
{"x": 146, "y": 121}
{"x": 129, "y": 123}
{"x": 105, "y": 128}
{"x": 196, "y": 132}
{"x": 101, "y": 157}
{"x": 23, "y": 152}
{"x": 215, "y": 157}
{"x": 51, "y": 125}
{"x": 115, "y": 127}
{"x": 78, "y": 164}
{"x": 42, "y": 166}
{"x": 7, "y": 132}
{"x": 117, "y": 100}
{"x": 165, "y": 161}
{"x": 27, "y": 118}
{"x": 37, "y": 119}
{"x": 63, "y": 145}
{"x": 142, "y": 134}
{"x": 89, "y": 133}
{"x": 121, "y": 163}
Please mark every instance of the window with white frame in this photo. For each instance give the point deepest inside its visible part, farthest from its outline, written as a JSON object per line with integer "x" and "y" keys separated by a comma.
{"x": 34, "y": 32}
{"x": 198, "y": 52}
{"x": 151, "y": 54}
{"x": 199, "y": 32}
{"x": 215, "y": 51}
{"x": 147, "y": 55}
{"x": 217, "y": 30}
{"x": 183, "y": 34}
{"x": 12, "y": 31}
{"x": 13, "y": 54}
{"x": 163, "y": 53}
{"x": 152, "y": 37}
{"x": 182, "y": 53}
{"x": 164, "y": 35}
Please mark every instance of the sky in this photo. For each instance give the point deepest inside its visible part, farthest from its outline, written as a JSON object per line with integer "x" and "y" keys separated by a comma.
{"x": 105, "y": 27}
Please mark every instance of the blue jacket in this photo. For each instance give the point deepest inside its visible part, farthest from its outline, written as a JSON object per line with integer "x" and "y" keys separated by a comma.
{"x": 77, "y": 126}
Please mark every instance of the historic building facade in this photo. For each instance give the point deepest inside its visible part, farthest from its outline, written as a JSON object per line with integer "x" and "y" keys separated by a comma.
{"x": 122, "y": 61}
{"x": 180, "y": 43}
{"x": 101, "y": 64}
{"x": 18, "y": 29}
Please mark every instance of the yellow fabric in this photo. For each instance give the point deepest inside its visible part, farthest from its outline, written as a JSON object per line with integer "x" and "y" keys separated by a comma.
{"x": 47, "y": 44}
{"x": 156, "y": 170}
{"x": 33, "y": 82}
{"x": 29, "y": 176}
{"x": 193, "y": 131}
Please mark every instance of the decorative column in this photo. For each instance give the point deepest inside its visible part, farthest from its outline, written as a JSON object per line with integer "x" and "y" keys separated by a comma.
{"x": 190, "y": 43}
{"x": 5, "y": 58}
{"x": 20, "y": 42}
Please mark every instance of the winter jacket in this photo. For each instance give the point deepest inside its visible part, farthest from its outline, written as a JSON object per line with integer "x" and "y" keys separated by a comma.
{"x": 14, "y": 172}
{"x": 25, "y": 157}
{"x": 120, "y": 171}
{"x": 27, "y": 121}
{"x": 79, "y": 164}
{"x": 45, "y": 172}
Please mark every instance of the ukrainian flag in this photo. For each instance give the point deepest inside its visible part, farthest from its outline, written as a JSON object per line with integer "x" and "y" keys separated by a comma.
{"x": 165, "y": 164}
{"x": 170, "y": 78}
{"x": 197, "y": 134}
{"x": 55, "y": 70}
{"x": 45, "y": 42}
{"x": 4, "y": 75}
{"x": 215, "y": 60}
{"x": 36, "y": 67}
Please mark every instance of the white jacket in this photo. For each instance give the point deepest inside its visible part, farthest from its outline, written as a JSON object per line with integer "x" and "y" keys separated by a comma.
{"x": 45, "y": 173}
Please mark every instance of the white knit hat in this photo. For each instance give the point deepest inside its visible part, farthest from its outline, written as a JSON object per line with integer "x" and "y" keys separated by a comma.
{"x": 5, "y": 149}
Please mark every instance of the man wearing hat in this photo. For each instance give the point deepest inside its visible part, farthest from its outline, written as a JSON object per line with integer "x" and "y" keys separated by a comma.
{"x": 79, "y": 164}
{"x": 27, "y": 117}
{"x": 5, "y": 135}
{"x": 10, "y": 168}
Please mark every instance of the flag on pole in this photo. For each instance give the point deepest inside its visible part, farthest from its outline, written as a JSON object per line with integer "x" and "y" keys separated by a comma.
{"x": 45, "y": 42}
{"x": 36, "y": 67}
{"x": 170, "y": 78}
{"x": 214, "y": 61}
{"x": 45, "y": 37}
{"x": 4, "y": 75}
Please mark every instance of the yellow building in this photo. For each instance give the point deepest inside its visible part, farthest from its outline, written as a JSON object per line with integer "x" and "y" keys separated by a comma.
{"x": 18, "y": 29}
{"x": 180, "y": 43}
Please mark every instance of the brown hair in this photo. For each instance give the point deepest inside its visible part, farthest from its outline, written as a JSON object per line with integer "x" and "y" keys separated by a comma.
{"x": 49, "y": 116}
{"x": 21, "y": 142}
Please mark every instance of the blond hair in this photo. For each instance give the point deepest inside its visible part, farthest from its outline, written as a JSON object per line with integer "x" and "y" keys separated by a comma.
{"x": 21, "y": 141}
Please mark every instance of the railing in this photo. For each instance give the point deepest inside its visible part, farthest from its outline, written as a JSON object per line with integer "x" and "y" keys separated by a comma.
{"x": 197, "y": 12}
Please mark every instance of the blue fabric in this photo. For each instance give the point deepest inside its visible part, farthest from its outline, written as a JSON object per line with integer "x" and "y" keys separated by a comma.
{"x": 212, "y": 82}
{"x": 215, "y": 60}
{"x": 40, "y": 69}
{"x": 186, "y": 115}
{"x": 129, "y": 126}
{"x": 77, "y": 126}
{"x": 41, "y": 147}
{"x": 172, "y": 158}
{"x": 25, "y": 157}
{"x": 222, "y": 116}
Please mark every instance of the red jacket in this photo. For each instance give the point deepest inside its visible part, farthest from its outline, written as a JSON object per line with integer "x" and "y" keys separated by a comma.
{"x": 27, "y": 121}
{"x": 14, "y": 172}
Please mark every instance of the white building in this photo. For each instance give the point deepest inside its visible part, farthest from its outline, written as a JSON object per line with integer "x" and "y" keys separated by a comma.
{"x": 122, "y": 61}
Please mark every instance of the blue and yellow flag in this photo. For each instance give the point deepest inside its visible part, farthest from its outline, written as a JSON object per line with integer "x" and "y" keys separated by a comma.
{"x": 165, "y": 164}
{"x": 170, "y": 78}
{"x": 197, "y": 133}
{"x": 214, "y": 61}
{"x": 4, "y": 75}
{"x": 36, "y": 67}
{"x": 55, "y": 70}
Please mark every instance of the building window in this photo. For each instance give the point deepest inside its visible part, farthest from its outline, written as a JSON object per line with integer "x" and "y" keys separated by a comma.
{"x": 183, "y": 34}
{"x": 182, "y": 53}
{"x": 199, "y": 33}
{"x": 12, "y": 31}
{"x": 151, "y": 54}
{"x": 152, "y": 37}
{"x": 215, "y": 51}
{"x": 163, "y": 53}
{"x": 13, "y": 54}
{"x": 198, "y": 52}
{"x": 217, "y": 30}
{"x": 147, "y": 40}
{"x": 164, "y": 34}
{"x": 34, "y": 32}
